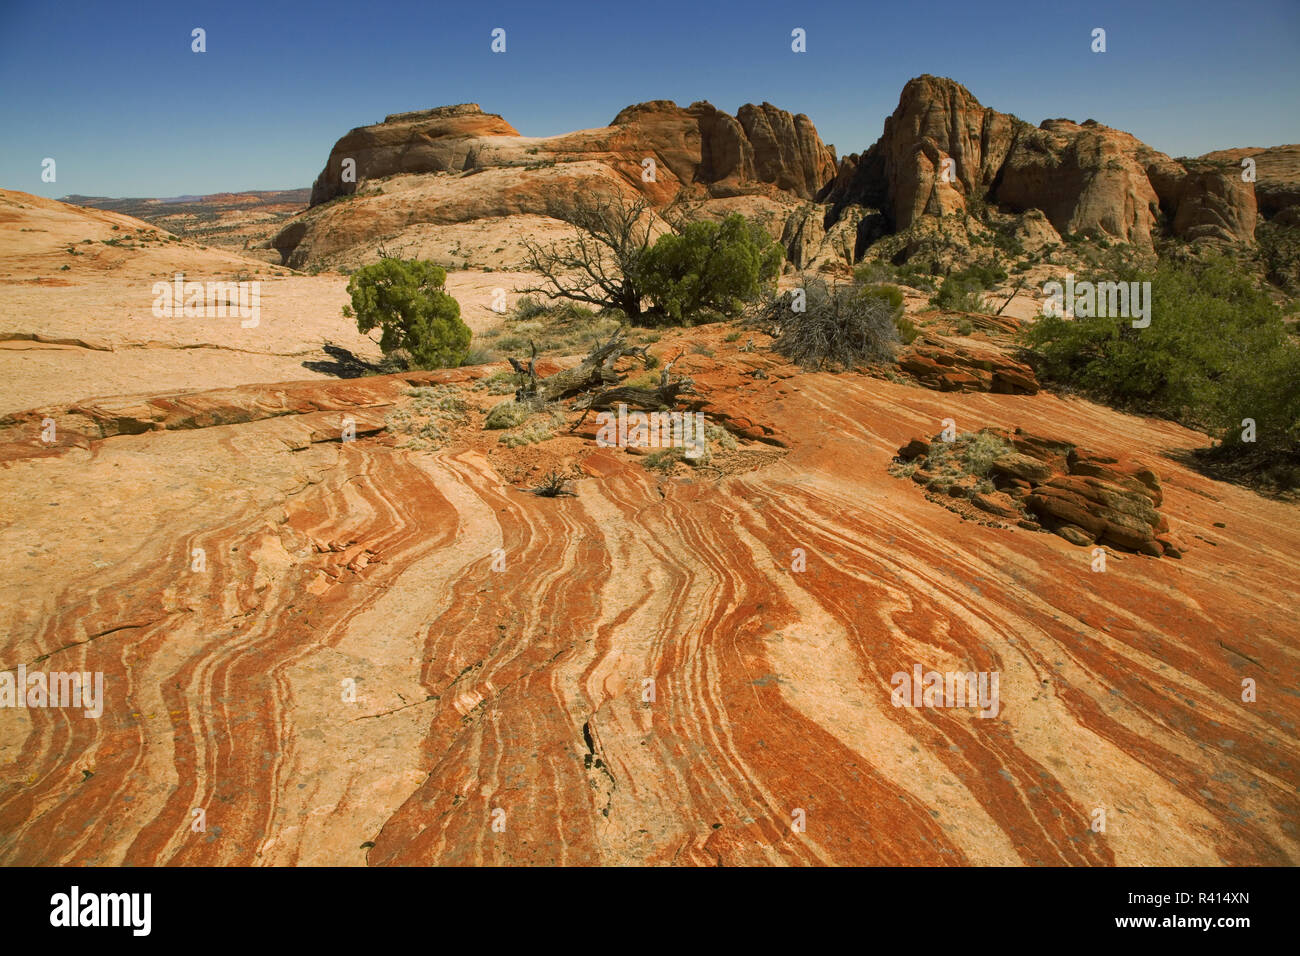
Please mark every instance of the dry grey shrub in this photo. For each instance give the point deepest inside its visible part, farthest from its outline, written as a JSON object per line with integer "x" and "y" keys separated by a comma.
{"x": 840, "y": 327}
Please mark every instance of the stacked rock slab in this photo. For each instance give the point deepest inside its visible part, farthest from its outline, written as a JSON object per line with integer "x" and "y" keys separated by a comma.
{"x": 948, "y": 367}
{"x": 1084, "y": 497}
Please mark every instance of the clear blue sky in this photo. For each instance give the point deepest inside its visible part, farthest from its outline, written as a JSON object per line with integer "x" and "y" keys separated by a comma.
{"x": 113, "y": 93}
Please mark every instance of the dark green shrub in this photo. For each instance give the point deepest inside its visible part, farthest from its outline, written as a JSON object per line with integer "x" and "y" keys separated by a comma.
{"x": 709, "y": 267}
{"x": 1216, "y": 353}
{"x": 958, "y": 295}
{"x": 961, "y": 290}
{"x": 405, "y": 299}
{"x": 871, "y": 273}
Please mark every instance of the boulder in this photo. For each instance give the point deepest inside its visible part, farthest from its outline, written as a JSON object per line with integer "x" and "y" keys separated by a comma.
{"x": 996, "y": 503}
{"x": 1075, "y": 535}
{"x": 946, "y": 366}
{"x": 1083, "y": 496}
{"x": 1023, "y": 467}
{"x": 916, "y": 448}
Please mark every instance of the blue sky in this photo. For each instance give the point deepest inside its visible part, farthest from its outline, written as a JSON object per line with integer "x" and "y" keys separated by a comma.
{"x": 114, "y": 94}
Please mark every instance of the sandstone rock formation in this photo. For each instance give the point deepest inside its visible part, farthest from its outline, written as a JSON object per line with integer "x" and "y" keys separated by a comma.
{"x": 423, "y": 141}
{"x": 1080, "y": 495}
{"x": 517, "y": 691}
{"x": 810, "y": 245}
{"x": 1277, "y": 178}
{"x": 940, "y": 151}
{"x": 1085, "y": 177}
{"x": 949, "y": 367}
{"x": 456, "y": 164}
{"x": 903, "y": 173}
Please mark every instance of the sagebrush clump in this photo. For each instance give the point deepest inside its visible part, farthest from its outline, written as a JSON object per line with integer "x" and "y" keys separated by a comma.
{"x": 837, "y": 327}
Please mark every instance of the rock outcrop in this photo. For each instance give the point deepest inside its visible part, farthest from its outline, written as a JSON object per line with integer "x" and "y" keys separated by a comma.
{"x": 457, "y": 164}
{"x": 438, "y": 140}
{"x": 1277, "y": 178}
{"x": 384, "y": 651}
{"x": 905, "y": 173}
{"x": 941, "y": 149}
{"x": 948, "y": 367}
{"x": 1080, "y": 495}
{"x": 809, "y": 244}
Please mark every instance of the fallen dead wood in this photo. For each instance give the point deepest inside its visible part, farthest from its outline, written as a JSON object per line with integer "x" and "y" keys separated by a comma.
{"x": 1020, "y": 285}
{"x": 595, "y": 371}
{"x": 665, "y": 396}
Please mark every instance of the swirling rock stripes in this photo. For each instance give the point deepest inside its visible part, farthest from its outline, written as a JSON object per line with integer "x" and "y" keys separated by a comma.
{"x": 395, "y": 657}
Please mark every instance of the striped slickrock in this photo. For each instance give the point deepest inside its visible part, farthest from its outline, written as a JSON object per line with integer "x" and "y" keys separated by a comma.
{"x": 399, "y": 657}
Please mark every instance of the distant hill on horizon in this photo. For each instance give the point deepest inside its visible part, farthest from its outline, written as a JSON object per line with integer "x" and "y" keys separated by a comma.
{"x": 242, "y": 220}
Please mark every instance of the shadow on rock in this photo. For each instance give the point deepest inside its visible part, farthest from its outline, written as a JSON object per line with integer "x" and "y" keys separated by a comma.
{"x": 343, "y": 365}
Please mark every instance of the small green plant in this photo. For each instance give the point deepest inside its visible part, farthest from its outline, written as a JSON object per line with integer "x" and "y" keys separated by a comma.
{"x": 969, "y": 454}
{"x": 528, "y": 435}
{"x": 428, "y": 421}
{"x": 437, "y": 398}
{"x": 978, "y": 452}
{"x": 891, "y": 295}
{"x": 647, "y": 379}
{"x": 874, "y": 273}
{"x": 535, "y": 432}
{"x": 958, "y": 295}
{"x": 907, "y": 330}
{"x": 507, "y": 414}
{"x": 962, "y": 290}
{"x": 664, "y": 460}
{"x": 716, "y": 434}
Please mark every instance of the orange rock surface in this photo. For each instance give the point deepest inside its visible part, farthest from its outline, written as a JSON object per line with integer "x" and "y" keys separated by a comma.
{"x": 394, "y": 656}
